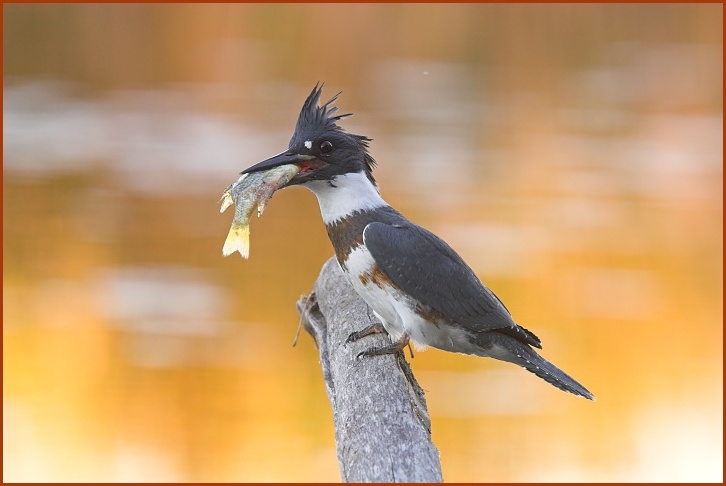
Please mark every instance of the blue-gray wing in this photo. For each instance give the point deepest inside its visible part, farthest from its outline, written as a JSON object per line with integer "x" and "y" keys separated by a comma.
{"x": 423, "y": 266}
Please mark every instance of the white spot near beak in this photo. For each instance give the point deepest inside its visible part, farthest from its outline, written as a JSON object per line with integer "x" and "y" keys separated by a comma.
{"x": 308, "y": 144}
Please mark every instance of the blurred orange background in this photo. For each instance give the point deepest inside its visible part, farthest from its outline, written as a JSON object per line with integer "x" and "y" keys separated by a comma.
{"x": 572, "y": 154}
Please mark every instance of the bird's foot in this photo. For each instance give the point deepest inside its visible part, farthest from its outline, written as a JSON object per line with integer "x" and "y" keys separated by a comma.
{"x": 376, "y": 328}
{"x": 390, "y": 349}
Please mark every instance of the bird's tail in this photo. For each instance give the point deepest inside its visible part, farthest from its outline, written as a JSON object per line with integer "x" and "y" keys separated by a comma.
{"x": 523, "y": 355}
{"x": 550, "y": 373}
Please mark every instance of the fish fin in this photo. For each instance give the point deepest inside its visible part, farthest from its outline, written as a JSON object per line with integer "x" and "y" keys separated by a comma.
{"x": 238, "y": 239}
{"x": 226, "y": 199}
{"x": 261, "y": 207}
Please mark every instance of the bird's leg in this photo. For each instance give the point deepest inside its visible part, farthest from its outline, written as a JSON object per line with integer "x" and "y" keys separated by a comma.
{"x": 376, "y": 328}
{"x": 390, "y": 349}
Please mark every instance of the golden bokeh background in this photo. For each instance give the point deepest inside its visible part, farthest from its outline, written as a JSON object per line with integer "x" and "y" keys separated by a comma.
{"x": 572, "y": 154}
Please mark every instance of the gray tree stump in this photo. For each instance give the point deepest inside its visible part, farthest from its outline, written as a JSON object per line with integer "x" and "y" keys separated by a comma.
{"x": 382, "y": 425}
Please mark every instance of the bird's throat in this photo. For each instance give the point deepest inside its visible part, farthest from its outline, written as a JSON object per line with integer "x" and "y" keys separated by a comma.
{"x": 345, "y": 195}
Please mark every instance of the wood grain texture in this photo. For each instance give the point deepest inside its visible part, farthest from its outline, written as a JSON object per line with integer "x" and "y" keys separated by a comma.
{"x": 382, "y": 425}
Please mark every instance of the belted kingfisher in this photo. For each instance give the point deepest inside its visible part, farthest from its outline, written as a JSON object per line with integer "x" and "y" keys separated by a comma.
{"x": 419, "y": 288}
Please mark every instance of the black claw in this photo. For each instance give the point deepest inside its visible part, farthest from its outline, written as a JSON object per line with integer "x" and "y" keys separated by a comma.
{"x": 376, "y": 329}
{"x": 369, "y": 352}
{"x": 372, "y": 329}
{"x": 352, "y": 337}
{"x": 392, "y": 348}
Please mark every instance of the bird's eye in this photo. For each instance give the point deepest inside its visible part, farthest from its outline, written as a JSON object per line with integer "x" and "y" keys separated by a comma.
{"x": 326, "y": 147}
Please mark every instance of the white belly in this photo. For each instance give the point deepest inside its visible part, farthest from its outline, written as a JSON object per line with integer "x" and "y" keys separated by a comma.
{"x": 379, "y": 298}
{"x": 396, "y": 310}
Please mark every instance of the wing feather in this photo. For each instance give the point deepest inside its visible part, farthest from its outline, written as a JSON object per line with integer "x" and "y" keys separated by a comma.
{"x": 422, "y": 265}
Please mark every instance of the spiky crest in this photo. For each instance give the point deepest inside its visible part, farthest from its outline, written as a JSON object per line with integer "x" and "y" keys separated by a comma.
{"x": 316, "y": 119}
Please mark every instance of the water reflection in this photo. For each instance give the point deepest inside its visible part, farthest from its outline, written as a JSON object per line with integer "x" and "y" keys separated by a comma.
{"x": 586, "y": 190}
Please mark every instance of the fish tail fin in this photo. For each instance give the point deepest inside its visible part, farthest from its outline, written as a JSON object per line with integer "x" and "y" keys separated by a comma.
{"x": 238, "y": 239}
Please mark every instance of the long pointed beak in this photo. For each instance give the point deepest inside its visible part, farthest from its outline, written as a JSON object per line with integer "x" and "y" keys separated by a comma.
{"x": 279, "y": 159}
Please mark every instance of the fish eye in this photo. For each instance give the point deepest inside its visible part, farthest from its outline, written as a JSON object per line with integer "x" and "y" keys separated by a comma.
{"x": 326, "y": 147}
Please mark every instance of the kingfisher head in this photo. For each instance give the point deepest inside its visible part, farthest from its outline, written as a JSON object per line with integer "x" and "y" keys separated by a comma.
{"x": 321, "y": 148}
